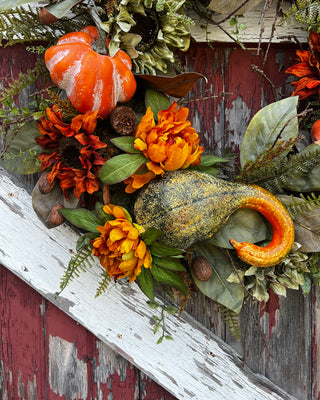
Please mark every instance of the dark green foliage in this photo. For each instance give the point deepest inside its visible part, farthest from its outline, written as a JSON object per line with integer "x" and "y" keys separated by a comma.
{"x": 81, "y": 261}
{"x": 297, "y": 207}
{"x": 281, "y": 173}
{"x": 232, "y": 321}
{"x": 307, "y": 12}
{"x": 103, "y": 284}
{"x": 22, "y": 25}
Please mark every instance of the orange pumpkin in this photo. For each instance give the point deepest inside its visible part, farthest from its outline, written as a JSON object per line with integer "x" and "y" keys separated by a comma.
{"x": 91, "y": 80}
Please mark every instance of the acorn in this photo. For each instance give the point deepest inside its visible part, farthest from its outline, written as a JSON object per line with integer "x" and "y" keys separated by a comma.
{"x": 56, "y": 218}
{"x": 44, "y": 185}
{"x": 202, "y": 269}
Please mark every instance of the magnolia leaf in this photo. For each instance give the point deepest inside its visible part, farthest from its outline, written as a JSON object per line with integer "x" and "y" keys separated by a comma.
{"x": 150, "y": 235}
{"x": 168, "y": 277}
{"x": 244, "y": 225}
{"x": 9, "y": 4}
{"x": 21, "y": 154}
{"x": 43, "y": 203}
{"x": 306, "y": 226}
{"x": 168, "y": 263}
{"x": 61, "y": 8}
{"x": 276, "y": 121}
{"x": 125, "y": 143}
{"x": 175, "y": 86}
{"x": 205, "y": 170}
{"x": 208, "y": 160}
{"x": 119, "y": 168}
{"x": 81, "y": 218}
{"x": 145, "y": 283}
{"x": 156, "y": 100}
{"x": 217, "y": 287}
{"x": 162, "y": 250}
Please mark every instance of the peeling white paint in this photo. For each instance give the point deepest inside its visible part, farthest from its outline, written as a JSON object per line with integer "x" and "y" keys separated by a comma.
{"x": 68, "y": 376}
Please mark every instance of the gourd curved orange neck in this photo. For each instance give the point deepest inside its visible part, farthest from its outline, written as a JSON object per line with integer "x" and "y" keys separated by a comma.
{"x": 283, "y": 230}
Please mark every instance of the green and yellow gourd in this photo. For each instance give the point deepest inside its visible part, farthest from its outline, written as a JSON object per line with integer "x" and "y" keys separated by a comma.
{"x": 189, "y": 206}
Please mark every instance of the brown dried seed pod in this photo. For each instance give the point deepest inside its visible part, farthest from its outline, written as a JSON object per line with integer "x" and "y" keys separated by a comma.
{"x": 123, "y": 120}
{"x": 44, "y": 185}
{"x": 55, "y": 218}
{"x": 202, "y": 269}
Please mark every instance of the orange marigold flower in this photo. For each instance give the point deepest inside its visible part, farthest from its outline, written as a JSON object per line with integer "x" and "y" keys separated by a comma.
{"x": 71, "y": 151}
{"x": 121, "y": 251}
{"x": 307, "y": 70}
{"x": 170, "y": 145}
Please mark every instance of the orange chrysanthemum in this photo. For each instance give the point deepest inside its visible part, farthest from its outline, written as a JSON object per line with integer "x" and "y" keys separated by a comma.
{"x": 307, "y": 70}
{"x": 122, "y": 253}
{"x": 170, "y": 145}
{"x": 72, "y": 151}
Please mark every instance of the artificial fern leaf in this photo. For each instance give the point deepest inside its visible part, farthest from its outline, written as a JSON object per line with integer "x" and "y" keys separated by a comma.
{"x": 305, "y": 11}
{"x": 232, "y": 321}
{"x": 81, "y": 261}
{"x": 103, "y": 284}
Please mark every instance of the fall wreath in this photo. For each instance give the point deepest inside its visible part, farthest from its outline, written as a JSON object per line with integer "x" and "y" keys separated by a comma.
{"x": 120, "y": 160}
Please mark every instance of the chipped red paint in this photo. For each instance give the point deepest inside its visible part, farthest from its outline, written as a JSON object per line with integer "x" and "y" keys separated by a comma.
{"x": 271, "y": 308}
{"x": 28, "y": 322}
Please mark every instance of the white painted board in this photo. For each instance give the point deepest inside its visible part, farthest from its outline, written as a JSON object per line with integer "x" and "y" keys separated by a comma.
{"x": 195, "y": 365}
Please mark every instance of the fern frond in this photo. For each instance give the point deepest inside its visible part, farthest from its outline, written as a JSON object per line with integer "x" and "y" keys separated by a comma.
{"x": 307, "y": 204}
{"x": 232, "y": 321}
{"x": 103, "y": 284}
{"x": 22, "y": 24}
{"x": 81, "y": 261}
{"x": 284, "y": 172}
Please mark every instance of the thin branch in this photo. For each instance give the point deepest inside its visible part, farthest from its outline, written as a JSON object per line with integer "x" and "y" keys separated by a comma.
{"x": 260, "y": 71}
{"x": 262, "y": 19}
{"x": 272, "y": 31}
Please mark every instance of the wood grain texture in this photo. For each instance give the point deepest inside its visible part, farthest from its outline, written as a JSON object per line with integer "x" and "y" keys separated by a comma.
{"x": 46, "y": 355}
{"x": 120, "y": 317}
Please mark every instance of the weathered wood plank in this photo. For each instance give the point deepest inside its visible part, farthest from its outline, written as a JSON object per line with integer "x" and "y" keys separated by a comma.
{"x": 120, "y": 317}
{"x": 284, "y": 33}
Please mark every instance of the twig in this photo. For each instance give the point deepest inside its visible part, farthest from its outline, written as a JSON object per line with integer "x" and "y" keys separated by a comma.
{"x": 260, "y": 71}
{"x": 233, "y": 12}
{"x": 302, "y": 114}
{"x": 272, "y": 31}
{"x": 262, "y": 18}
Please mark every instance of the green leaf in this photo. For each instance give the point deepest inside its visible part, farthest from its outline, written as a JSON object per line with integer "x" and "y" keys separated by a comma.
{"x": 85, "y": 239}
{"x": 203, "y": 169}
{"x": 144, "y": 280}
{"x": 162, "y": 250}
{"x": 217, "y": 288}
{"x": 168, "y": 277}
{"x": 207, "y": 160}
{"x": 157, "y": 101}
{"x": 150, "y": 235}
{"x": 120, "y": 167}
{"x": 81, "y": 218}
{"x": 160, "y": 340}
{"x": 306, "y": 287}
{"x": 20, "y": 157}
{"x": 103, "y": 217}
{"x": 8, "y": 4}
{"x": 168, "y": 263}
{"x": 265, "y": 127}
{"x": 61, "y": 8}
{"x": 244, "y": 225}
{"x": 125, "y": 143}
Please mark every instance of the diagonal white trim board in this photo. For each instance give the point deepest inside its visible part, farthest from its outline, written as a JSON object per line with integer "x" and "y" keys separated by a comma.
{"x": 195, "y": 365}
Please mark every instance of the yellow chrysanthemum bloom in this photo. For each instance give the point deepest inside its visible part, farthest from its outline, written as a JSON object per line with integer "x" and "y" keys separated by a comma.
{"x": 121, "y": 251}
{"x": 170, "y": 145}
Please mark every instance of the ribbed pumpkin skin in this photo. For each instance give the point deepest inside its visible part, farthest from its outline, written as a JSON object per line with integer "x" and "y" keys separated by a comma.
{"x": 92, "y": 81}
{"x": 188, "y": 206}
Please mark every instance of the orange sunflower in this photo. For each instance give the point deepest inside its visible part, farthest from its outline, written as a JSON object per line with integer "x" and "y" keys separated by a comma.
{"x": 71, "y": 151}
{"x": 122, "y": 253}
{"x": 170, "y": 145}
{"x": 307, "y": 70}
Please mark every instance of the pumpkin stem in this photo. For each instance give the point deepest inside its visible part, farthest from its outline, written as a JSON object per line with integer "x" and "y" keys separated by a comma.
{"x": 283, "y": 231}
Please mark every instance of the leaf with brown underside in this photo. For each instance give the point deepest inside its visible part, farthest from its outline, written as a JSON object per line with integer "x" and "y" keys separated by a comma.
{"x": 175, "y": 86}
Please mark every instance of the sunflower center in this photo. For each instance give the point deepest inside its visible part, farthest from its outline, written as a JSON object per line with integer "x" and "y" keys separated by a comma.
{"x": 147, "y": 26}
{"x": 69, "y": 149}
